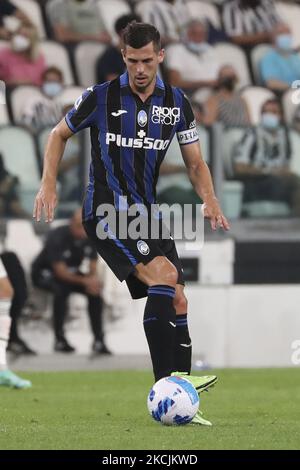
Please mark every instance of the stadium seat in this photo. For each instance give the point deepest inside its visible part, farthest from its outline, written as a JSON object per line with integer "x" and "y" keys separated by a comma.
{"x": 255, "y": 97}
{"x": 291, "y": 15}
{"x": 33, "y": 10}
{"x": 69, "y": 95}
{"x": 201, "y": 10}
{"x": 18, "y": 149}
{"x": 110, "y": 11}
{"x": 4, "y": 118}
{"x": 22, "y": 240}
{"x": 86, "y": 55}
{"x": 257, "y": 53}
{"x": 295, "y": 151}
{"x": 230, "y": 54}
{"x": 19, "y": 96}
{"x": 290, "y": 102}
{"x": 56, "y": 55}
{"x": 230, "y": 139}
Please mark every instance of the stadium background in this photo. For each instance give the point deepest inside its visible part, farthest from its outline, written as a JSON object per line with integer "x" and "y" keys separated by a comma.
{"x": 243, "y": 286}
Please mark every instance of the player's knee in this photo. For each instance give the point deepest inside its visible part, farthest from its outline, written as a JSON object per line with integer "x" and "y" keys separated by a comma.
{"x": 181, "y": 304}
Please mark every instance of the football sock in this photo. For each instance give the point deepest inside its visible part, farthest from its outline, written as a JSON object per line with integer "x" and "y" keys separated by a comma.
{"x": 5, "y": 322}
{"x": 160, "y": 329}
{"x": 183, "y": 345}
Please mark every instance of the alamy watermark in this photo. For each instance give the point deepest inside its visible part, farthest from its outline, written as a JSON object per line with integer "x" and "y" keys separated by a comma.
{"x": 155, "y": 222}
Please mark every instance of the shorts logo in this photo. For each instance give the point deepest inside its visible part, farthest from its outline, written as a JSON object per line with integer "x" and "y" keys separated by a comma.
{"x": 143, "y": 247}
{"x": 164, "y": 115}
{"x": 142, "y": 118}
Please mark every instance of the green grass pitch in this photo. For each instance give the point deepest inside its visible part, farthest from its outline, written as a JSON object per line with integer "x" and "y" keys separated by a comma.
{"x": 250, "y": 409}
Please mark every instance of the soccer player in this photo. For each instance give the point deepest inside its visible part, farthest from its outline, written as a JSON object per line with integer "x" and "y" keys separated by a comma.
{"x": 132, "y": 119}
{"x": 7, "y": 378}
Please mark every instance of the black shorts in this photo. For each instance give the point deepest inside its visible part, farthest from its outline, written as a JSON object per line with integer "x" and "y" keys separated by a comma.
{"x": 122, "y": 255}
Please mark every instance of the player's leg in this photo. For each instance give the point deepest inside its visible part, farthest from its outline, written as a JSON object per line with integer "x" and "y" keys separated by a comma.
{"x": 160, "y": 317}
{"x": 7, "y": 378}
{"x": 183, "y": 343}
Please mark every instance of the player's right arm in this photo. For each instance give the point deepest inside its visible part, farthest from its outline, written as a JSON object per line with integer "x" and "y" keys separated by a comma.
{"x": 46, "y": 198}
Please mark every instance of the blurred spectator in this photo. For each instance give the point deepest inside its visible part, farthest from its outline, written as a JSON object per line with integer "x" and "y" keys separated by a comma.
{"x": 192, "y": 64}
{"x": 250, "y": 22}
{"x": 296, "y": 120}
{"x": 68, "y": 263}
{"x": 169, "y": 17}
{"x": 22, "y": 63}
{"x": 226, "y": 105}
{"x": 261, "y": 161}
{"x": 17, "y": 278}
{"x": 10, "y": 205}
{"x": 111, "y": 64}
{"x": 11, "y": 19}
{"x": 44, "y": 111}
{"x": 77, "y": 20}
{"x": 280, "y": 67}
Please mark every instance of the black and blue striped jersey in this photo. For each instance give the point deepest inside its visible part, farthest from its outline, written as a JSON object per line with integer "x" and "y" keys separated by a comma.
{"x": 129, "y": 139}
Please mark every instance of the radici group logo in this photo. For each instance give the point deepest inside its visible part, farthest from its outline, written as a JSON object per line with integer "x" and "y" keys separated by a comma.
{"x": 165, "y": 115}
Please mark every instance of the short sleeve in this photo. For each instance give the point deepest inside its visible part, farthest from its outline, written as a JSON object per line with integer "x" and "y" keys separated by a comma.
{"x": 186, "y": 131}
{"x": 84, "y": 112}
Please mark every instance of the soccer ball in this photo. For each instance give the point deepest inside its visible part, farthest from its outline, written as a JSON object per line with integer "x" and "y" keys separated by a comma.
{"x": 173, "y": 400}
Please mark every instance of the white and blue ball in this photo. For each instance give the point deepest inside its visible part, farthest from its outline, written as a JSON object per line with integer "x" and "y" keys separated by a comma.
{"x": 173, "y": 400}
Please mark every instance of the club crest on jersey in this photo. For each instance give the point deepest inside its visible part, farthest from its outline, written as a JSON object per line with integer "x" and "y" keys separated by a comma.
{"x": 143, "y": 247}
{"x": 165, "y": 115}
{"x": 142, "y": 118}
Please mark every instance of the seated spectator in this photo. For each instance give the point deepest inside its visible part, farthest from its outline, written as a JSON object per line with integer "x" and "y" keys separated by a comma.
{"x": 170, "y": 18}
{"x": 261, "y": 161}
{"x": 22, "y": 63}
{"x": 192, "y": 64}
{"x": 16, "y": 275}
{"x": 60, "y": 269}
{"x": 280, "y": 67}
{"x": 250, "y": 22}
{"x": 111, "y": 64}
{"x": 77, "y": 20}
{"x": 44, "y": 111}
{"x": 11, "y": 18}
{"x": 10, "y": 205}
{"x": 226, "y": 105}
{"x": 295, "y": 125}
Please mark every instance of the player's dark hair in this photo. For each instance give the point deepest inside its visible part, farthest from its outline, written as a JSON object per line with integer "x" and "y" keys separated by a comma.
{"x": 138, "y": 35}
{"x": 124, "y": 20}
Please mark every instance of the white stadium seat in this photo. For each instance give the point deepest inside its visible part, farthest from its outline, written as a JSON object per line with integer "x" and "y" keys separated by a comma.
{"x": 257, "y": 54}
{"x": 230, "y": 54}
{"x": 291, "y": 15}
{"x": 69, "y": 95}
{"x": 20, "y": 96}
{"x": 204, "y": 10}
{"x": 18, "y": 150}
{"x": 56, "y": 55}
{"x": 86, "y": 55}
{"x": 110, "y": 11}
{"x": 255, "y": 96}
{"x": 33, "y": 10}
{"x": 290, "y": 102}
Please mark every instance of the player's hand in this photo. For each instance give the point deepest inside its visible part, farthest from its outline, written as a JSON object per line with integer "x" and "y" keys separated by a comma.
{"x": 45, "y": 201}
{"x": 211, "y": 210}
{"x": 92, "y": 284}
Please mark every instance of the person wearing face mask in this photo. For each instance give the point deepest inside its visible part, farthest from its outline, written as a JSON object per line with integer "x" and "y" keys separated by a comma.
{"x": 280, "y": 67}
{"x": 22, "y": 63}
{"x": 192, "y": 64}
{"x": 44, "y": 110}
{"x": 10, "y": 16}
{"x": 262, "y": 161}
{"x": 226, "y": 105}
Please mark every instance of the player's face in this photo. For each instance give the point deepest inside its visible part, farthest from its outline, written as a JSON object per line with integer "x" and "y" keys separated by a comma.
{"x": 142, "y": 65}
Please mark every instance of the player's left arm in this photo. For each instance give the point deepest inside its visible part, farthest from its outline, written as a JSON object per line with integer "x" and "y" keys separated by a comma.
{"x": 201, "y": 180}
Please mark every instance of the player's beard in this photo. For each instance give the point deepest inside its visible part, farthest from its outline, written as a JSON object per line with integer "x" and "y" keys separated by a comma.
{"x": 143, "y": 88}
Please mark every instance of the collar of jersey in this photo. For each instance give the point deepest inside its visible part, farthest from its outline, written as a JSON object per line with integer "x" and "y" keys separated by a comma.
{"x": 159, "y": 89}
